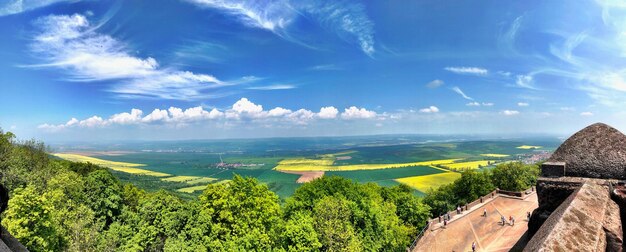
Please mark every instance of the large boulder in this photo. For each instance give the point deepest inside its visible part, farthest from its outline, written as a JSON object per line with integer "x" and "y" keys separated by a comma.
{"x": 597, "y": 151}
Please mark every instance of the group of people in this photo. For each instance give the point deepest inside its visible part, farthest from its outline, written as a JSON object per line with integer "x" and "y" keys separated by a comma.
{"x": 511, "y": 220}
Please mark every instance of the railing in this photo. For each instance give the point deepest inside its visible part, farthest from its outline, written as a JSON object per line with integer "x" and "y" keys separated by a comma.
{"x": 419, "y": 236}
{"x": 492, "y": 195}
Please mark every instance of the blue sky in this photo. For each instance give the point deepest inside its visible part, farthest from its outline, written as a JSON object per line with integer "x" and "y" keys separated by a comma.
{"x": 191, "y": 69}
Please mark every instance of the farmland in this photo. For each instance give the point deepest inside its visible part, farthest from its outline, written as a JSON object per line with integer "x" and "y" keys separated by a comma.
{"x": 425, "y": 182}
{"x": 283, "y": 164}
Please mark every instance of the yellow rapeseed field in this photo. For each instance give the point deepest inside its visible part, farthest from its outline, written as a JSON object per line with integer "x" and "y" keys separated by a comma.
{"x": 192, "y": 189}
{"x": 180, "y": 178}
{"x": 467, "y": 165}
{"x": 201, "y": 180}
{"x": 113, "y": 165}
{"x": 528, "y": 147}
{"x": 425, "y": 182}
{"x": 324, "y": 165}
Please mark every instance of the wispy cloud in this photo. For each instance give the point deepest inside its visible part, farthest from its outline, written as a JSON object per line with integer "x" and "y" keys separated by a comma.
{"x": 460, "y": 92}
{"x": 467, "y": 70}
{"x": 241, "y": 111}
{"x": 274, "y": 87}
{"x": 586, "y": 113}
{"x": 510, "y": 112}
{"x": 9, "y": 7}
{"x": 523, "y": 104}
{"x": 71, "y": 44}
{"x": 327, "y": 67}
{"x": 434, "y": 84}
{"x": 348, "y": 20}
{"x": 473, "y": 104}
{"x": 525, "y": 81}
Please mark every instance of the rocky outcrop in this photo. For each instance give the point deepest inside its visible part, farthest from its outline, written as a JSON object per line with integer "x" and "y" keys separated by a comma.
{"x": 597, "y": 151}
{"x": 586, "y": 221}
{"x": 551, "y": 192}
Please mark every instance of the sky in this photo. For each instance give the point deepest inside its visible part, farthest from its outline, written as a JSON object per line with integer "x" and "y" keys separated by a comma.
{"x": 201, "y": 69}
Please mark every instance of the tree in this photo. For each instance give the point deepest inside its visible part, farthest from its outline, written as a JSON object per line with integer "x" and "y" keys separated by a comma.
{"x": 103, "y": 195}
{"x": 515, "y": 176}
{"x": 29, "y": 220}
{"x": 299, "y": 234}
{"x": 332, "y": 223}
{"x": 244, "y": 215}
{"x": 472, "y": 185}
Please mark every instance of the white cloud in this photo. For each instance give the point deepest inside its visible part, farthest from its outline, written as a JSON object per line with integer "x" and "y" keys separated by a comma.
{"x": 468, "y": 70}
{"x": 460, "y": 92}
{"x": 473, "y": 104}
{"x": 94, "y": 121}
{"x": 510, "y": 112}
{"x": 9, "y": 7}
{"x": 488, "y": 104}
{"x": 435, "y": 84}
{"x": 586, "y": 113}
{"x": 156, "y": 116}
{"x": 127, "y": 118}
{"x": 431, "y": 109}
{"x": 274, "y": 87}
{"x": 525, "y": 81}
{"x": 70, "y": 43}
{"x": 357, "y": 113}
{"x": 567, "y": 109}
{"x": 348, "y": 20}
{"x": 523, "y": 104}
{"x": 278, "y": 111}
{"x": 242, "y": 111}
{"x": 328, "y": 112}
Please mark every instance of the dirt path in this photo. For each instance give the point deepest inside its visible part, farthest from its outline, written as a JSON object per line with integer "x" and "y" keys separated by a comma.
{"x": 488, "y": 232}
{"x": 306, "y": 176}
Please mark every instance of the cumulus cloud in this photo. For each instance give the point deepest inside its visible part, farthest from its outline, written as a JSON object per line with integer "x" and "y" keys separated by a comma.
{"x": 278, "y": 111}
{"x": 586, "y": 113}
{"x": 510, "y": 112}
{"x": 242, "y": 110}
{"x": 70, "y": 43}
{"x": 523, "y": 104}
{"x": 357, "y": 113}
{"x": 347, "y": 19}
{"x": 467, "y": 70}
{"x": 431, "y": 109}
{"x": 435, "y": 84}
{"x": 460, "y": 92}
{"x": 328, "y": 112}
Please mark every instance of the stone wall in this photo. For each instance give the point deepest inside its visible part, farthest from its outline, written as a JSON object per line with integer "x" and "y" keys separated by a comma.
{"x": 586, "y": 220}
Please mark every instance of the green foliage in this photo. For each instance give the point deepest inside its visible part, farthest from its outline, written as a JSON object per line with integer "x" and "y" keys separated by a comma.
{"x": 59, "y": 205}
{"x": 103, "y": 195}
{"x": 515, "y": 176}
{"x": 512, "y": 176}
{"x": 29, "y": 219}
{"x": 300, "y": 234}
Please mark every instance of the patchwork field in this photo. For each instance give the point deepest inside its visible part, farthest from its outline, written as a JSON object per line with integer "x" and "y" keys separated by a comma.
{"x": 528, "y": 147}
{"x": 495, "y": 155}
{"x": 186, "y": 167}
{"x": 113, "y": 165}
{"x": 425, "y": 182}
{"x": 325, "y": 165}
{"x": 467, "y": 165}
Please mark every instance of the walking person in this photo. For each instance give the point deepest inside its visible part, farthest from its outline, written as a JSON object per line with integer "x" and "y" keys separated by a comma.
{"x": 512, "y": 221}
{"x": 473, "y": 246}
{"x": 502, "y": 219}
{"x": 485, "y": 212}
{"x": 528, "y": 216}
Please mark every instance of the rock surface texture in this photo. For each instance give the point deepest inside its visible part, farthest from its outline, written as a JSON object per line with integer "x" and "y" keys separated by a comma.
{"x": 597, "y": 151}
{"x": 588, "y": 220}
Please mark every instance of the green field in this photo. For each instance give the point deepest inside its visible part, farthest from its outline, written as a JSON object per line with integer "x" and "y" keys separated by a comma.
{"x": 384, "y": 160}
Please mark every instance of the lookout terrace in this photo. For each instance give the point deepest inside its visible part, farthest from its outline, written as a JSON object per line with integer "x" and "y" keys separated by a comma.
{"x": 579, "y": 204}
